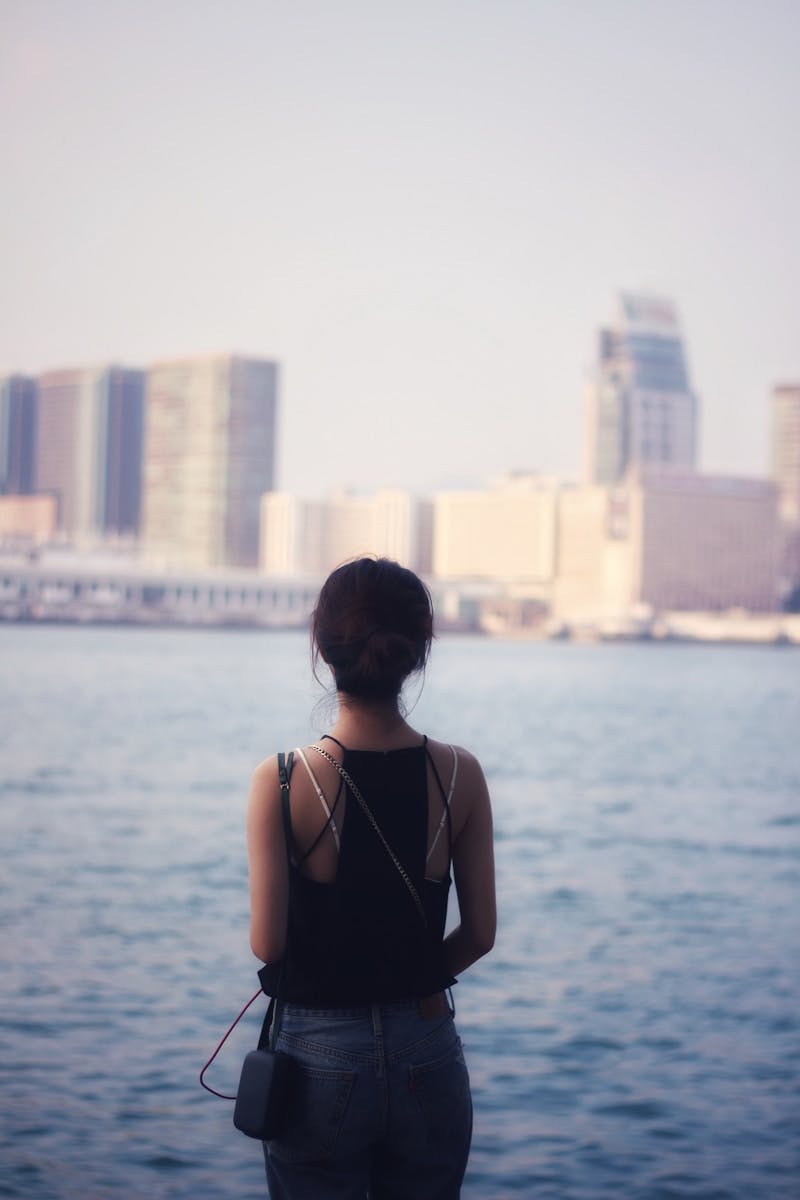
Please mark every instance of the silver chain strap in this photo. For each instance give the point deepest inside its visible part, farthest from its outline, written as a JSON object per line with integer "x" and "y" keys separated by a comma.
{"x": 368, "y": 814}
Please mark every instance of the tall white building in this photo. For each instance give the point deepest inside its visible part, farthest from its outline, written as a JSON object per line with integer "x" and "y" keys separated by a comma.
{"x": 208, "y": 458}
{"x": 640, "y": 406}
{"x": 311, "y": 537}
{"x": 505, "y": 532}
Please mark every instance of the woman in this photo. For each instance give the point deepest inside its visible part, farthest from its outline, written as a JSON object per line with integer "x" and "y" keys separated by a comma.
{"x": 380, "y": 1103}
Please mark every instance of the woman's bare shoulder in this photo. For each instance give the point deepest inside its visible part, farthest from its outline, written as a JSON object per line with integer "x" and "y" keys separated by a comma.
{"x": 265, "y": 777}
{"x": 468, "y": 765}
{"x": 264, "y": 781}
{"x": 266, "y": 769}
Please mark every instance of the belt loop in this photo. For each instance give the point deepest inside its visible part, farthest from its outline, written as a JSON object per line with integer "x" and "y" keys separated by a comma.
{"x": 380, "y": 1047}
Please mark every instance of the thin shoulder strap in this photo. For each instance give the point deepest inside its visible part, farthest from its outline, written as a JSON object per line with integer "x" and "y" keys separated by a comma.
{"x": 322, "y": 798}
{"x": 447, "y": 797}
{"x": 285, "y": 766}
{"x": 272, "y": 1017}
{"x": 329, "y": 737}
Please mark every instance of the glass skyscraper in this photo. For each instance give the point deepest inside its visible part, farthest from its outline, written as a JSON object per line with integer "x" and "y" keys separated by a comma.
{"x": 18, "y": 397}
{"x": 641, "y": 409}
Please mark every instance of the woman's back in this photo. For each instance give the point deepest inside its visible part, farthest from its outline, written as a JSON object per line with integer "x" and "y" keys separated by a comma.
{"x": 352, "y": 929}
{"x": 371, "y": 928}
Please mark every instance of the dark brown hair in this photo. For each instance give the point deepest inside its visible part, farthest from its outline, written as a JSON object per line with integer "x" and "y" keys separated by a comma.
{"x": 373, "y": 626}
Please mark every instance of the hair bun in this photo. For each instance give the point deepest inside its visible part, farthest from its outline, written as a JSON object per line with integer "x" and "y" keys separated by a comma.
{"x": 385, "y": 650}
{"x": 373, "y": 626}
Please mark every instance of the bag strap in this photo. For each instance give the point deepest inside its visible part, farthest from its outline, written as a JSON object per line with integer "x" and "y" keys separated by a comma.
{"x": 272, "y": 1018}
{"x": 368, "y": 814}
{"x": 285, "y": 765}
{"x": 269, "y": 1027}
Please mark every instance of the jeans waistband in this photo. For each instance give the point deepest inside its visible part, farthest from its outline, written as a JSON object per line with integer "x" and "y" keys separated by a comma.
{"x": 426, "y": 1006}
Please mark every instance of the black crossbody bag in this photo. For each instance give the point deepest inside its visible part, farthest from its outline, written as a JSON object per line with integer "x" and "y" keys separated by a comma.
{"x": 265, "y": 1077}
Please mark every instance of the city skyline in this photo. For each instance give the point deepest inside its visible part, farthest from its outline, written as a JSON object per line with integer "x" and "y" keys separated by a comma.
{"x": 422, "y": 213}
{"x": 644, "y": 528}
{"x": 616, "y": 366}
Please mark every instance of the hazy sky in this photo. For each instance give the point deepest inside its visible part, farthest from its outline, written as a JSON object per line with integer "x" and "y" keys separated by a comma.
{"x": 421, "y": 209}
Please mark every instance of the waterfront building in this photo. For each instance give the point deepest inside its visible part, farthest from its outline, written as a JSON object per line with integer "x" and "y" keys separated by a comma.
{"x": 292, "y": 535}
{"x": 789, "y": 558}
{"x": 208, "y": 458}
{"x": 88, "y": 449}
{"x": 785, "y": 456}
{"x": 27, "y": 521}
{"x": 640, "y": 406}
{"x": 667, "y": 540}
{"x": 311, "y": 537}
{"x": 505, "y": 532}
{"x": 18, "y": 398}
{"x": 785, "y": 470}
{"x": 386, "y": 523}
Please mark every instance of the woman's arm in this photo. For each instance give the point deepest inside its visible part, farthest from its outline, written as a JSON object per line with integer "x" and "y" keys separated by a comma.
{"x": 267, "y": 868}
{"x": 473, "y": 869}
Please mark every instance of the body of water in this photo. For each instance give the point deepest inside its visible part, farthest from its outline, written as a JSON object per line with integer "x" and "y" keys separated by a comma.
{"x": 635, "y": 1032}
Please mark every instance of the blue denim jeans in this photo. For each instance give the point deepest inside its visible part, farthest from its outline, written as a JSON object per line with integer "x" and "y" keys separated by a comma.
{"x": 379, "y": 1107}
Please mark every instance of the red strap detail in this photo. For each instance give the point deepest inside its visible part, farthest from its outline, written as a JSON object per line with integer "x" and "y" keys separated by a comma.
{"x": 223, "y": 1095}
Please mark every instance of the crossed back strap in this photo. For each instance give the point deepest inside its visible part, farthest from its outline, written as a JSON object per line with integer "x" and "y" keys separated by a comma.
{"x": 368, "y": 814}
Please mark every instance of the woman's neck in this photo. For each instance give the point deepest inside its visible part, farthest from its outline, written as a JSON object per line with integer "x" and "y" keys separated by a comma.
{"x": 361, "y": 725}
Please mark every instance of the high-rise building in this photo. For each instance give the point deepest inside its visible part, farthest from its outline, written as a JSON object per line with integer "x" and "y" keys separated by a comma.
{"x": 640, "y": 407}
{"x": 209, "y": 452}
{"x": 89, "y": 448}
{"x": 121, "y": 400}
{"x": 786, "y": 448}
{"x": 64, "y": 457}
{"x": 17, "y": 435}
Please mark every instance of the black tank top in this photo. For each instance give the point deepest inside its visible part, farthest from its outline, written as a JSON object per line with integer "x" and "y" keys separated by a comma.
{"x": 361, "y": 939}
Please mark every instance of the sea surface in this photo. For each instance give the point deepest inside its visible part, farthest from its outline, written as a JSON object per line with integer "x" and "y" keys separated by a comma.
{"x": 635, "y": 1032}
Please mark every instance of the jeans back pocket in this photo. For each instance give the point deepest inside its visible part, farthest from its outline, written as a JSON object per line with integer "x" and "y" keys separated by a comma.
{"x": 441, "y": 1092}
{"x": 315, "y": 1111}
